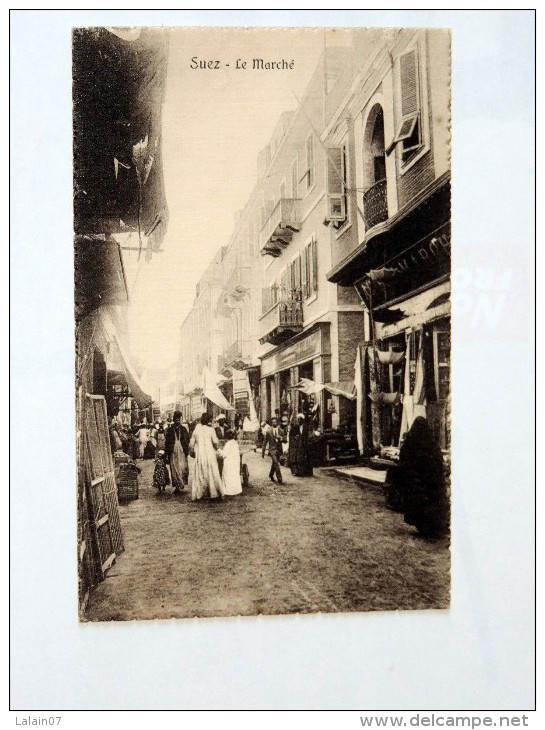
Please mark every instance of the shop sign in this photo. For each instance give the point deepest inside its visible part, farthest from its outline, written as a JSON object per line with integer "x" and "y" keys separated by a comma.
{"x": 429, "y": 259}
{"x": 301, "y": 351}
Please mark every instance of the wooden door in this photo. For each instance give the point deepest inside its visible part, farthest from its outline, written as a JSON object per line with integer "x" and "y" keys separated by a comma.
{"x": 100, "y": 484}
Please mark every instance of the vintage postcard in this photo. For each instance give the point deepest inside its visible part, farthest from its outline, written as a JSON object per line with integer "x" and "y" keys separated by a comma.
{"x": 262, "y": 301}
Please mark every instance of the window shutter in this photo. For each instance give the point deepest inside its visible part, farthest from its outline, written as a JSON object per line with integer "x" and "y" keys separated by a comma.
{"x": 408, "y": 72}
{"x": 304, "y": 281}
{"x": 294, "y": 179}
{"x": 314, "y": 247}
{"x": 310, "y": 161}
{"x": 298, "y": 276}
{"x": 284, "y": 284}
{"x": 336, "y": 200}
{"x": 334, "y": 171}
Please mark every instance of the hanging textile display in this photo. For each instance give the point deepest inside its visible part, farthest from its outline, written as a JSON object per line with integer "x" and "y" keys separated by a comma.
{"x": 358, "y": 384}
{"x": 389, "y": 399}
{"x": 254, "y": 420}
{"x": 390, "y": 357}
{"x": 407, "y": 417}
{"x": 414, "y": 389}
{"x": 375, "y": 387}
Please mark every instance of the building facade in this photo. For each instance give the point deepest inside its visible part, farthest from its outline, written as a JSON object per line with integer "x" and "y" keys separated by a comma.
{"x": 394, "y": 127}
{"x": 306, "y": 322}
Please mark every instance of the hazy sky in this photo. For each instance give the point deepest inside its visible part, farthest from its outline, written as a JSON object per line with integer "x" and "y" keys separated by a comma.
{"x": 214, "y": 124}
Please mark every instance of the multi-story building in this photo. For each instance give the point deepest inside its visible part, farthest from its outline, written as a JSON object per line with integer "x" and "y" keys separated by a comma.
{"x": 238, "y": 305}
{"x": 201, "y": 343}
{"x": 394, "y": 249}
{"x": 307, "y": 324}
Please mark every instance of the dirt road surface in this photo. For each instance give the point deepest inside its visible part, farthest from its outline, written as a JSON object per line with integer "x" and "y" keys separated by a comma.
{"x": 319, "y": 544}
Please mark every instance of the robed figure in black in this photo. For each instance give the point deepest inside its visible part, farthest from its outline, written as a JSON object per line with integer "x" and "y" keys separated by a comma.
{"x": 421, "y": 479}
{"x": 299, "y": 452}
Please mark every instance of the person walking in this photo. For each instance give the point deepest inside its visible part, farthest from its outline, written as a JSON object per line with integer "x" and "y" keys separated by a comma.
{"x": 231, "y": 465}
{"x": 143, "y": 438}
{"x": 161, "y": 437}
{"x": 273, "y": 440}
{"x": 203, "y": 444}
{"x": 300, "y": 460}
{"x": 176, "y": 451}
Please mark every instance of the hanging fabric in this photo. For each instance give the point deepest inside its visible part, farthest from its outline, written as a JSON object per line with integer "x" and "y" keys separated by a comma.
{"x": 358, "y": 384}
{"x": 407, "y": 413}
{"x": 390, "y": 358}
{"x": 381, "y": 398}
{"x": 419, "y": 393}
{"x": 375, "y": 387}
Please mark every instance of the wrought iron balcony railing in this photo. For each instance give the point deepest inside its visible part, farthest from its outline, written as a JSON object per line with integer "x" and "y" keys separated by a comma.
{"x": 282, "y": 321}
{"x": 279, "y": 227}
{"x": 375, "y": 204}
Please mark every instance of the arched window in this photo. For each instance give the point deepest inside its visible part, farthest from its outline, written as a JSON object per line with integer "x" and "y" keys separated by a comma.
{"x": 375, "y": 206}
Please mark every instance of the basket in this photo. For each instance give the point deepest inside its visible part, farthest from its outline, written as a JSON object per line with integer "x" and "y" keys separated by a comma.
{"x": 127, "y": 482}
{"x": 120, "y": 457}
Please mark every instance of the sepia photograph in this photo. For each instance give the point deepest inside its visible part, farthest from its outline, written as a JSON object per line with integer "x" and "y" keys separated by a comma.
{"x": 271, "y": 436}
{"x": 262, "y": 305}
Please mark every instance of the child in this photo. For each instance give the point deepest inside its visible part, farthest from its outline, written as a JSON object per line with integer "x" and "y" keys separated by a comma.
{"x": 231, "y": 465}
{"x": 161, "y": 477}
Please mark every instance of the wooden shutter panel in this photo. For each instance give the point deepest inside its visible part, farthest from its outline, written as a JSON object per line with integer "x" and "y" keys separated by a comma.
{"x": 304, "y": 282}
{"x": 298, "y": 272}
{"x": 408, "y": 72}
{"x": 335, "y": 171}
{"x": 284, "y": 284}
{"x": 314, "y": 249}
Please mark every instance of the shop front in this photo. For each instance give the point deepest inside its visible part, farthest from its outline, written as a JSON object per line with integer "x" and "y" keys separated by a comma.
{"x": 308, "y": 358}
{"x": 402, "y": 276}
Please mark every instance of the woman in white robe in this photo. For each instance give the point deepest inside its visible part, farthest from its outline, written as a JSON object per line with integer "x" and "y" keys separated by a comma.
{"x": 231, "y": 466}
{"x": 206, "y": 474}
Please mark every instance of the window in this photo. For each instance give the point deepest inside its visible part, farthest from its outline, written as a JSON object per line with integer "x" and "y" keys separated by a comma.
{"x": 336, "y": 186}
{"x": 294, "y": 179}
{"x": 309, "y": 269}
{"x": 309, "y": 174}
{"x": 410, "y": 130}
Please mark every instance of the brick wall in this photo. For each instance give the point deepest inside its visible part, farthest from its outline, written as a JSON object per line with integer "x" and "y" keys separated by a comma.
{"x": 347, "y": 295}
{"x": 420, "y": 175}
{"x": 350, "y": 333}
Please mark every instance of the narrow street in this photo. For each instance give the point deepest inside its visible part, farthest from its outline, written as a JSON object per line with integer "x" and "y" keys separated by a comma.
{"x": 319, "y": 544}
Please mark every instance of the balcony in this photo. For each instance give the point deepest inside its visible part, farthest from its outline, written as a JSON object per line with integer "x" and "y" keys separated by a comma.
{"x": 239, "y": 281}
{"x": 238, "y": 356}
{"x": 375, "y": 204}
{"x": 282, "y": 321}
{"x": 278, "y": 229}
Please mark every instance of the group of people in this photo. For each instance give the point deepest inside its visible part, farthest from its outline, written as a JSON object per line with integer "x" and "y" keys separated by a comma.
{"x": 215, "y": 452}
{"x": 287, "y": 444}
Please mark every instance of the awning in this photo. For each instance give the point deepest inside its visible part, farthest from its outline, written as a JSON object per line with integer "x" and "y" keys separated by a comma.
{"x": 100, "y": 277}
{"x": 123, "y": 361}
{"x": 345, "y": 388}
{"x": 213, "y": 393}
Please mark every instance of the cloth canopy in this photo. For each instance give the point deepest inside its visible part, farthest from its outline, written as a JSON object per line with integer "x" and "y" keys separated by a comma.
{"x": 385, "y": 398}
{"x": 213, "y": 393}
{"x": 390, "y": 358}
{"x": 309, "y": 387}
{"x": 123, "y": 360}
{"x": 346, "y": 388}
